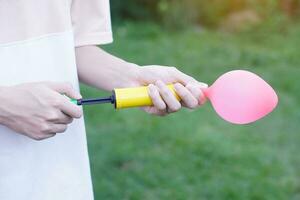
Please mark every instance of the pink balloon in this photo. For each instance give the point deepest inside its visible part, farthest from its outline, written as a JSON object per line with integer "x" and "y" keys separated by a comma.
{"x": 241, "y": 97}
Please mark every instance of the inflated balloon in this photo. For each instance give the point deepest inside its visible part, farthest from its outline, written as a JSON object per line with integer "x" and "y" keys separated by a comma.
{"x": 241, "y": 97}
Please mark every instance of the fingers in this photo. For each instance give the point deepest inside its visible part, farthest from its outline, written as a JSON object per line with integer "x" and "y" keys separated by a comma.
{"x": 65, "y": 88}
{"x": 164, "y": 101}
{"x": 62, "y": 102}
{"x": 187, "y": 97}
{"x": 65, "y": 119}
{"x": 154, "y": 111}
{"x": 60, "y": 118}
{"x": 69, "y": 108}
{"x": 196, "y": 91}
{"x": 47, "y": 136}
{"x": 59, "y": 128}
{"x": 156, "y": 98}
{"x": 193, "y": 86}
{"x": 58, "y": 123}
{"x": 168, "y": 97}
{"x": 52, "y": 131}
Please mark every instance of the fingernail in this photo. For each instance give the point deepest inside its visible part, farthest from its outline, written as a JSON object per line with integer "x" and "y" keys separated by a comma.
{"x": 177, "y": 86}
{"x": 151, "y": 87}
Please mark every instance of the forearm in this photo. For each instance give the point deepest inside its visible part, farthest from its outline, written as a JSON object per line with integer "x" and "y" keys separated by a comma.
{"x": 102, "y": 70}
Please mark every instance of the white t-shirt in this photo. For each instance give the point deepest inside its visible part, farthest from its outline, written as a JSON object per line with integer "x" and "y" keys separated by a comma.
{"x": 37, "y": 43}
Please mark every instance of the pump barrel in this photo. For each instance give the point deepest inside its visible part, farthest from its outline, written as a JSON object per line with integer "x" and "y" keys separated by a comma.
{"x": 135, "y": 97}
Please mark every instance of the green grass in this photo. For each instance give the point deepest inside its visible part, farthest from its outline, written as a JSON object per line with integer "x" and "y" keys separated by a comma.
{"x": 196, "y": 155}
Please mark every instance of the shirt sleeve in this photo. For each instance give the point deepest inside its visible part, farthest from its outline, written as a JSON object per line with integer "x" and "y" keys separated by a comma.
{"x": 91, "y": 22}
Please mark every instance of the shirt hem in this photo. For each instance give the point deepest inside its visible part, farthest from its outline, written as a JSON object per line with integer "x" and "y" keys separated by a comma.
{"x": 100, "y": 38}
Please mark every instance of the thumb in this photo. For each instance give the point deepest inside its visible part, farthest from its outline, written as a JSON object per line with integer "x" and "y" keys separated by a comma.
{"x": 185, "y": 79}
{"x": 66, "y": 89}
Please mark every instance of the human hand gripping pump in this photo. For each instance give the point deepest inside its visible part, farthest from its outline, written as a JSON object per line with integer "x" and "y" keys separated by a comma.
{"x": 239, "y": 97}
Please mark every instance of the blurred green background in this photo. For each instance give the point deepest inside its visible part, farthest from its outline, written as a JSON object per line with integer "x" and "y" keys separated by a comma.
{"x": 195, "y": 154}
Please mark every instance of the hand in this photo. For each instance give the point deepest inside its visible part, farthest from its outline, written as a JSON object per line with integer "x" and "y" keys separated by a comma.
{"x": 38, "y": 110}
{"x": 187, "y": 88}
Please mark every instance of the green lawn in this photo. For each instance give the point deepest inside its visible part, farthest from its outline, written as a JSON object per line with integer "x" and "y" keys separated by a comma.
{"x": 196, "y": 155}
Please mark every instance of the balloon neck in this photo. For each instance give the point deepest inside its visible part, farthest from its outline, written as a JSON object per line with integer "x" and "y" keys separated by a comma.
{"x": 206, "y": 91}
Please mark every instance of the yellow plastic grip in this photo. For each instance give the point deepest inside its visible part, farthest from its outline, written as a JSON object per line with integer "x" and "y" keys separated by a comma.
{"x": 135, "y": 97}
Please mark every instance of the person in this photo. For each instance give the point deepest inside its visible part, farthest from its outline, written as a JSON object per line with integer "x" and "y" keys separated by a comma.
{"x": 46, "y": 46}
